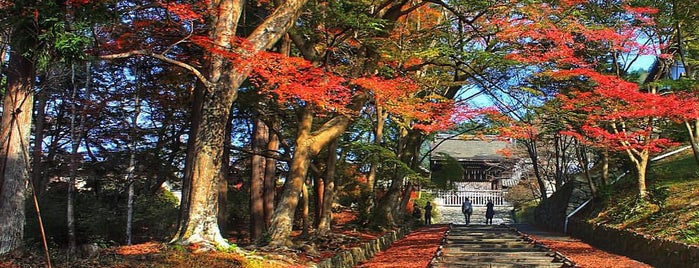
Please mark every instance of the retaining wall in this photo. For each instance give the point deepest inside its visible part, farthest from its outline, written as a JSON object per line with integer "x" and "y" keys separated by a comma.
{"x": 352, "y": 257}
{"x": 645, "y": 248}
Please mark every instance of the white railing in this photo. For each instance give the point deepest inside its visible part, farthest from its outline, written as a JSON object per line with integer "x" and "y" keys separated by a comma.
{"x": 477, "y": 197}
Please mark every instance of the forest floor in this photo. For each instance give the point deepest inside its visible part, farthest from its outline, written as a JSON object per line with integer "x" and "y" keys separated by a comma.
{"x": 414, "y": 250}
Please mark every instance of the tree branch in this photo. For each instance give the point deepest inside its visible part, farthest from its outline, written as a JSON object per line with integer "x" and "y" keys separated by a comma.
{"x": 143, "y": 52}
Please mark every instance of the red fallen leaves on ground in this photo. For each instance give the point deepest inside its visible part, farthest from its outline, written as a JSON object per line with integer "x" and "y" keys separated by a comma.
{"x": 418, "y": 247}
{"x": 139, "y": 249}
{"x": 585, "y": 255}
{"x": 414, "y": 250}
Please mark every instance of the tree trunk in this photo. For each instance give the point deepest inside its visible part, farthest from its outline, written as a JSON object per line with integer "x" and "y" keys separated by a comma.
{"x": 305, "y": 204}
{"x": 132, "y": 166}
{"x": 384, "y": 213}
{"x": 257, "y": 179}
{"x": 318, "y": 197}
{"x": 641, "y": 166}
{"x": 38, "y": 177}
{"x": 307, "y": 145}
{"x": 76, "y": 132}
{"x": 582, "y": 158}
{"x": 325, "y": 216}
{"x": 534, "y": 156}
{"x": 16, "y": 126}
{"x": 371, "y": 178}
{"x": 223, "y": 185}
{"x": 198, "y": 220}
{"x": 270, "y": 185}
{"x": 389, "y": 208}
{"x": 605, "y": 167}
{"x": 693, "y": 130}
{"x": 558, "y": 157}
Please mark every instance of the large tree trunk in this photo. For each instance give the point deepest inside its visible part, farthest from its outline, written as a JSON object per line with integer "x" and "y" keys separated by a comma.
{"x": 390, "y": 207}
{"x": 198, "y": 223}
{"x": 307, "y": 146}
{"x": 270, "y": 184}
{"x": 16, "y": 126}
{"x": 257, "y": 180}
{"x": 223, "y": 184}
{"x": 325, "y": 215}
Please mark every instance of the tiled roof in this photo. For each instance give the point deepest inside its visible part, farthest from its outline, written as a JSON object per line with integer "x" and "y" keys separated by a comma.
{"x": 469, "y": 148}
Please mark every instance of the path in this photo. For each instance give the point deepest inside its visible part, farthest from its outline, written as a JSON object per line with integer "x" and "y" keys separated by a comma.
{"x": 480, "y": 245}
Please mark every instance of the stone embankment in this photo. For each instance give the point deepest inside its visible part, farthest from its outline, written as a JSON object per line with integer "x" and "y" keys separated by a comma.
{"x": 356, "y": 255}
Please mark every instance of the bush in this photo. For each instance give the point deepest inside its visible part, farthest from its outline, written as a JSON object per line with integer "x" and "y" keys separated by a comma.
{"x": 102, "y": 219}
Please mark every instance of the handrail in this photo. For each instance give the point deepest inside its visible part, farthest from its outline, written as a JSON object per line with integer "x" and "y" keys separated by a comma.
{"x": 565, "y": 224}
{"x": 670, "y": 153}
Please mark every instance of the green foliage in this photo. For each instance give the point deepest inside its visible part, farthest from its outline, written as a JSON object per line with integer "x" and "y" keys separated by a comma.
{"x": 449, "y": 171}
{"x": 102, "y": 219}
{"x": 230, "y": 249}
{"x": 524, "y": 213}
{"x": 522, "y": 194}
{"x": 658, "y": 195}
{"x": 631, "y": 210}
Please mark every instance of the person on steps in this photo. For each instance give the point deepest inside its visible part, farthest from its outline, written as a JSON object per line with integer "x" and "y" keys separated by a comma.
{"x": 489, "y": 212}
{"x": 428, "y": 213}
{"x": 467, "y": 209}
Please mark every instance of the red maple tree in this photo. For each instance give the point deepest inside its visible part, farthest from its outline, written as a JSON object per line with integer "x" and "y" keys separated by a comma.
{"x": 575, "y": 52}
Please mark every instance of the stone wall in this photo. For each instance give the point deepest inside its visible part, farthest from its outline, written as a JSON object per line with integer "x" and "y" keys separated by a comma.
{"x": 650, "y": 250}
{"x": 354, "y": 256}
{"x": 552, "y": 213}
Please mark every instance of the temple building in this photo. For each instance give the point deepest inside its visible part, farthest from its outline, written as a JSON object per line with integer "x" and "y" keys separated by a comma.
{"x": 487, "y": 163}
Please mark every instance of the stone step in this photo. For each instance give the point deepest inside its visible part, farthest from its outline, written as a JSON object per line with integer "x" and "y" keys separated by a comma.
{"x": 491, "y": 246}
{"x": 485, "y": 241}
{"x": 499, "y": 257}
{"x": 497, "y": 265}
{"x": 464, "y": 250}
{"x": 516, "y": 254}
{"x": 473, "y": 246}
{"x": 485, "y": 237}
{"x": 506, "y": 261}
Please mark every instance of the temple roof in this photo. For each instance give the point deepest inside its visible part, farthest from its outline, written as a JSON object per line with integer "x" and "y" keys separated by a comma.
{"x": 469, "y": 148}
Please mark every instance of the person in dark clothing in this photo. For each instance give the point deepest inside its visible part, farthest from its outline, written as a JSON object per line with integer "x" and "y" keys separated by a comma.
{"x": 467, "y": 209}
{"x": 489, "y": 212}
{"x": 428, "y": 213}
{"x": 416, "y": 212}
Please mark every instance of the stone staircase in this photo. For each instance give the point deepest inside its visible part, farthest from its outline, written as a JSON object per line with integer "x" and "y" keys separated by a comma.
{"x": 493, "y": 246}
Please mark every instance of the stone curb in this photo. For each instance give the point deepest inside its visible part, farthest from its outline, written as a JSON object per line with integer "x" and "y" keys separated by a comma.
{"x": 354, "y": 256}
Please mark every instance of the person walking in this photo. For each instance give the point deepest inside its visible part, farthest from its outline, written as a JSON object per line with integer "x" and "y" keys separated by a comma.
{"x": 467, "y": 209}
{"x": 489, "y": 212}
{"x": 428, "y": 213}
